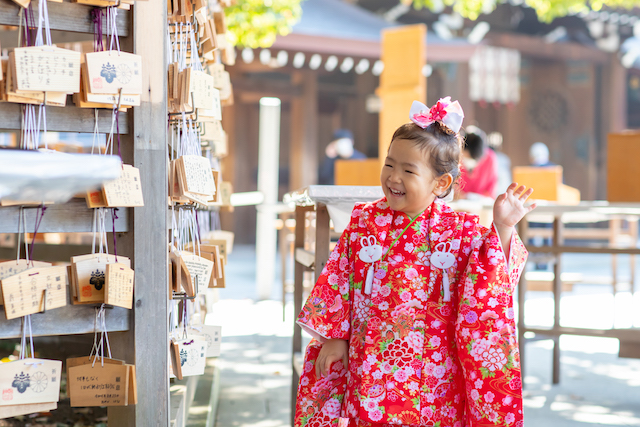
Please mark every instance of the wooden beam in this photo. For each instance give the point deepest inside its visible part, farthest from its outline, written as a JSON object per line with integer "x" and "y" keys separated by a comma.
{"x": 72, "y": 319}
{"x": 147, "y": 344}
{"x": 537, "y": 48}
{"x": 266, "y": 87}
{"x": 49, "y": 253}
{"x": 453, "y": 51}
{"x": 67, "y": 119}
{"x": 70, "y": 217}
{"x": 62, "y": 16}
{"x": 9, "y": 38}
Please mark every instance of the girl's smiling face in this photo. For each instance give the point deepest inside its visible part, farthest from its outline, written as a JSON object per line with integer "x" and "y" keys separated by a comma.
{"x": 407, "y": 179}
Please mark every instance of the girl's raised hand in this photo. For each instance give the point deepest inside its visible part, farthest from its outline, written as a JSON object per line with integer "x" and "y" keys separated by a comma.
{"x": 509, "y": 207}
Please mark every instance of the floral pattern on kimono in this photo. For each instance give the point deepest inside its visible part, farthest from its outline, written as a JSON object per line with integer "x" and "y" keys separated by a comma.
{"x": 416, "y": 357}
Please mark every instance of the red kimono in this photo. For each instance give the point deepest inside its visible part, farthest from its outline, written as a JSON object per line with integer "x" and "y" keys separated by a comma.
{"x": 419, "y": 355}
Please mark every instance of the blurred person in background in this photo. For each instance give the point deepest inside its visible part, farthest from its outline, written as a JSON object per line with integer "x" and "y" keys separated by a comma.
{"x": 494, "y": 140}
{"x": 340, "y": 147}
{"x": 479, "y": 176}
{"x": 539, "y": 155}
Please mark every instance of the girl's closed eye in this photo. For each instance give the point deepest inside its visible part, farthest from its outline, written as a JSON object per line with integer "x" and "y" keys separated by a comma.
{"x": 408, "y": 171}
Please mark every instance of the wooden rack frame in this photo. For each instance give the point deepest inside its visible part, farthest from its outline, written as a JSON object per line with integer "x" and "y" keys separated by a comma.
{"x": 144, "y": 336}
{"x": 629, "y": 337}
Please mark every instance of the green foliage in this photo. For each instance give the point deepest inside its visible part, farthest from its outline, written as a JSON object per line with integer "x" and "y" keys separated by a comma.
{"x": 256, "y": 23}
{"x": 547, "y": 10}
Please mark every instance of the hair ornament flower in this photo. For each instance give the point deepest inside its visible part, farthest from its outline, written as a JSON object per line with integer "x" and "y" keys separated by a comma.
{"x": 448, "y": 113}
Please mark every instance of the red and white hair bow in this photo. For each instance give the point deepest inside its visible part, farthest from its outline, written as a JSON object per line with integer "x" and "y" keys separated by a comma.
{"x": 446, "y": 112}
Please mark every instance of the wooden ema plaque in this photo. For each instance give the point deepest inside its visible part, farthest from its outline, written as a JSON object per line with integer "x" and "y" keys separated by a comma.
{"x": 47, "y": 68}
{"x": 174, "y": 186}
{"x": 101, "y": 385}
{"x": 211, "y": 335}
{"x": 84, "y": 360}
{"x": 125, "y": 191}
{"x": 30, "y": 408}
{"x": 200, "y": 269}
{"x": 222, "y": 238}
{"x": 211, "y": 107}
{"x": 212, "y": 253}
{"x": 86, "y": 99}
{"x": 174, "y": 354}
{"x": 189, "y": 356}
{"x": 10, "y": 268}
{"x": 24, "y": 293}
{"x": 180, "y": 276}
{"x": 110, "y": 71}
{"x": 30, "y": 381}
{"x": 194, "y": 173}
{"x": 216, "y": 199}
{"x": 216, "y": 70}
{"x": 118, "y": 287}
{"x": 201, "y": 84}
{"x": 90, "y": 275}
{"x": 226, "y": 90}
{"x": 132, "y": 395}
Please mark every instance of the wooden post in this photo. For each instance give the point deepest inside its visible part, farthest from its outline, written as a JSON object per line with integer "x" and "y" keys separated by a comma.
{"x": 558, "y": 241}
{"x": 299, "y": 269}
{"x": 401, "y": 82}
{"x": 523, "y": 231}
{"x": 147, "y": 343}
{"x": 304, "y": 131}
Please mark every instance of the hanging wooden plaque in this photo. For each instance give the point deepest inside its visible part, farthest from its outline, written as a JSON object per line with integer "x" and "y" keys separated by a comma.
{"x": 118, "y": 287}
{"x": 174, "y": 354}
{"x": 181, "y": 278}
{"x": 30, "y": 408}
{"x": 9, "y": 268}
{"x": 125, "y": 191}
{"x": 212, "y": 130}
{"x": 204, "y": 94}
{"x": 24, "y": 293}
{"x": 110, "y": 71}
{"x": 200, "y": 270}
{"x": 214, "y": 108}
{"x": 211, "y": 335}
{"x": 30, "y": 381}
{"x": 84, "y": 360}
{"x": 10, "y": 94}
{"x": 99, "y": 385}
{"x": 225, "y": 89}
{"x": 47, "y": 69}
{"x": 196, "y": 172}
{"x": 90, "y": 273}
{"x": 216, "y": 70}
{"x": 191, "y": 359}
{"x": 96, "y": 100}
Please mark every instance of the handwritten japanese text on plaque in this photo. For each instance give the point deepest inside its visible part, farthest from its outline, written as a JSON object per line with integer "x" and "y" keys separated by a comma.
{"x": 119, "y": 285}
{"x": 125, "y": 191}
{"x": 10, "y": 268}
{"x": 200, "y": 269}
{"x": 47, "y": 69}
{"x": 202, "y": 88}
{"x": 197, "y": 173}
{"x": 24, "y": 292}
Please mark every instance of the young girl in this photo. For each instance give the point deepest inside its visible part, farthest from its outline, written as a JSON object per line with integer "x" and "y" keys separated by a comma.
{"x": 412, "y": 317}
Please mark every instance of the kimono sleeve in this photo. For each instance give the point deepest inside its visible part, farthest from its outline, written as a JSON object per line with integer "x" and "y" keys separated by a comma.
{"x": 486, "y": 330}
{"x": 326, "y": 314}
